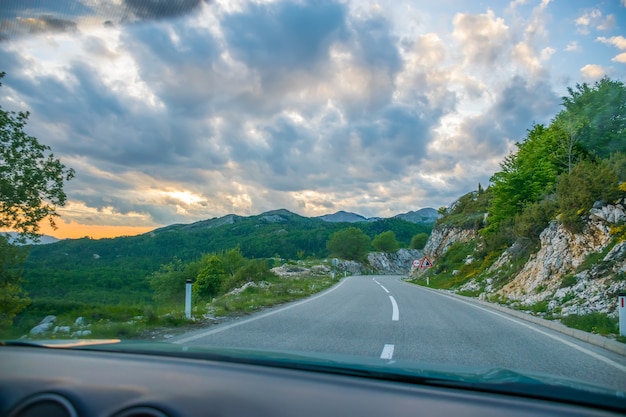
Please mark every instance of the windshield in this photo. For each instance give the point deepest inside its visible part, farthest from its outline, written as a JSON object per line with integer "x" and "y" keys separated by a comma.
{"x": 432, "y": 187}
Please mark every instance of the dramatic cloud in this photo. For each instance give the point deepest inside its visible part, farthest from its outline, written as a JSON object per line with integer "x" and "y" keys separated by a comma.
{"x": 484, "y": 38}
{"x": 177, "y": 111}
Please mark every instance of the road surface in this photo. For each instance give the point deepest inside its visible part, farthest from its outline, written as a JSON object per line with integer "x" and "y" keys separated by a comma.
{"x": 384, "y": 317}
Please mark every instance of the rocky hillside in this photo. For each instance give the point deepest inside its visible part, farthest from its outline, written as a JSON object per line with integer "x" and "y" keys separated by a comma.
{"x": 570, "y": 273}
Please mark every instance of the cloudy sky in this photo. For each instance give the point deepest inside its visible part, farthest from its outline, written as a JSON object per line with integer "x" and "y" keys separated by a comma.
{"x": 178, "y": 111}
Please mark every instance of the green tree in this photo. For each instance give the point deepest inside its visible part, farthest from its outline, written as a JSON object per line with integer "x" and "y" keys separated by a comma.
{"x": 597, "y": 117}
{"x": 350, "y": 243}
{"x": 31, "y": 188}
{"x": 233, "y": 260}
{"x": 210, "y": 278}
{"x": 386, "y": 242}
{"x": 168, "y": 283}
{"x": 31, "y": 178}
{"x": 419, "y": 241}
{"x": 12, "y": 298}
{"x": 526, "y": 176}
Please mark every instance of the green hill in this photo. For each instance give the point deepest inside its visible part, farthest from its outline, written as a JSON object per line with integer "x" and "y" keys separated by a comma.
{"x": 114, "y": 271}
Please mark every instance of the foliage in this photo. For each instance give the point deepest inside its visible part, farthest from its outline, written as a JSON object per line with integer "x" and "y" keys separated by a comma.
{"x": 276, "y": 291}
{"x": 12, "y": 297}
{"x": 122, "y": 272}
{"x": 386, "y": 242}
{"x": 419, "y": 241}
{"x": 568, "y": 280}
{"x": 617, "y": 162}
{"x": 526, "y": 176}
{"x": 31, "y": 179}
{"x": 209, "y": 280}
{"x": 534, "y": 218}
{"x": 577, "y": 190}
{"x": 351, "y": 244}
{"x": 593, "y": 322}
{"x": 467, "y": 212}
{"x": 219, "y": 273}
{"x": 31, "y": 187}
{"x": 599, "y": 112}
{"x": 168, "y": 282}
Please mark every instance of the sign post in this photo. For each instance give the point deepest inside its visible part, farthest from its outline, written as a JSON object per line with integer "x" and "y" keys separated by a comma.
{"x": 621, "y": 300}
{"x": 426, "y": 263}
{"x": 188, "y": 299}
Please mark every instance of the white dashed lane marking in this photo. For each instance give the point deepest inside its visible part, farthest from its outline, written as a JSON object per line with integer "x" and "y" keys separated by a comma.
{"x": 387, "y": 352}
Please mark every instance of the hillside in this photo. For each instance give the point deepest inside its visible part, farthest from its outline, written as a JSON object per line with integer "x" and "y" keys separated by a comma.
{"x": 548, "y": 234}
{"x": 119, "y": 266}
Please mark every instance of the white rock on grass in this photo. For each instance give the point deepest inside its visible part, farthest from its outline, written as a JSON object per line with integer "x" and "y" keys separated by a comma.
{"x": 40, "y": 329}
{"x": 44, "y": 325}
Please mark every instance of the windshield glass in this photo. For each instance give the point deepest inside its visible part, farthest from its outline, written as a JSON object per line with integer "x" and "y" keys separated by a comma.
{"x": 428, "y": 187}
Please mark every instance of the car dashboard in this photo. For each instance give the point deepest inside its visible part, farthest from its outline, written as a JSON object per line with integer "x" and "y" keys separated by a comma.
{"x": 70, "y": 383}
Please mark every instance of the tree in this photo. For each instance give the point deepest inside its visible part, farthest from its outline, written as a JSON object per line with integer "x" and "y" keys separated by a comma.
{"x": 31, "y": 187}
{"x": 31, "y": 178}
{"x": 526, "y": 176}
{"x": 168, "y": 283}
{"x": 597, "y": 115}
{"x": 210, "y": 278}
{"x": 386, "y": 242}
{"x": 351, "y": 244}
{"x": 12, "y": 297}
{"x": 419, "y": 241}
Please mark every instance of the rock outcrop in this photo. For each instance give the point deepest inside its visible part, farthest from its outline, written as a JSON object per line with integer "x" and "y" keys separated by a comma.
{"x": 398, "y": 263}
{"x": 441, "y": 238}
{"x": 560, "y": 272}
{"x": 561, "y": 253}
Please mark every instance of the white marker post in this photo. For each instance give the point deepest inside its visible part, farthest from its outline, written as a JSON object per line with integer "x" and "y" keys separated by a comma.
{"x": 621, "y": 300}
{"x": 188, "y": 299}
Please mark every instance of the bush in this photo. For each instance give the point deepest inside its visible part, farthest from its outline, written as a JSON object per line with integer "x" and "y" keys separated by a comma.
{"x": 419, "y": 241}
{"x": 577, "y": 190}
{"x": 351, "y": 244}
{"x": 386, "y": 242}
{"x": 534, "y": 219}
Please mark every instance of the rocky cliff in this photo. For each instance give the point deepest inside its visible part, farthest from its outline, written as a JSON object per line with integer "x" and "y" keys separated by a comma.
{"x": 441, "y": 238}
{"x": 398, "y": 263}
{"x": 574, "y": 273}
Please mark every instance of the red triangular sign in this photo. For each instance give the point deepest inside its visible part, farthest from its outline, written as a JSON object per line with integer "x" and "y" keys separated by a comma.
{"x": 426, "y": 263}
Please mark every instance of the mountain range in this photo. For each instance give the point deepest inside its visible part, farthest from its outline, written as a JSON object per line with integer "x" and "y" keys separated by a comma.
{"x": 121, "y": 265}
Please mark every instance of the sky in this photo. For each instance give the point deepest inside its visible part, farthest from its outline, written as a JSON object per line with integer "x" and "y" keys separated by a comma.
{"x": 179, "y": 111}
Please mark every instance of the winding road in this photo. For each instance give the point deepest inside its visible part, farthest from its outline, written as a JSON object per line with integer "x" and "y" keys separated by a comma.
{"x": 385, "y": 317}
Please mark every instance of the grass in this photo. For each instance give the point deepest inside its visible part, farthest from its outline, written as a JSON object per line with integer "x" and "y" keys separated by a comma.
{"x": 138, "y": 321}
{"x": 281, "y": 290}
{"x": 594, "y": 323}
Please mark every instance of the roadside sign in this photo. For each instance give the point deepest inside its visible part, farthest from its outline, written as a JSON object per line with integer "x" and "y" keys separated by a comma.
{"x": 417, "y": 263}
{"x": 426, "y": 263}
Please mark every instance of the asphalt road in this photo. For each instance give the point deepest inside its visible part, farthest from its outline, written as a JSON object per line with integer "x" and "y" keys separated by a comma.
{"x": 384, "y": 317}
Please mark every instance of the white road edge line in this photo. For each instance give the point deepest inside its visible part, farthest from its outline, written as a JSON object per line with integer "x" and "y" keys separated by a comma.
{"x": 387, "y": 352}
{"x": 395, "y": 314}
{"x": 251, "y": 319}
{"x": 557, "y": 338}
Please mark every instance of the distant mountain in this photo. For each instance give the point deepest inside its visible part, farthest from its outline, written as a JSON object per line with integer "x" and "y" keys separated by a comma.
{"x": 343, "y": 217}
{"x": 425, "y": 215}
{"x": 43, "y": 239}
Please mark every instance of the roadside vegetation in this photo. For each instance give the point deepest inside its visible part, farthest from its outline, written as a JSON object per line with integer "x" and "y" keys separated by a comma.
{"x": 559, "y": 171}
